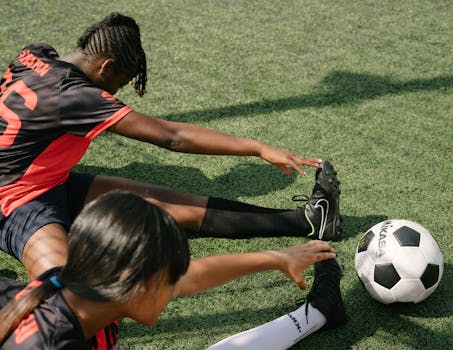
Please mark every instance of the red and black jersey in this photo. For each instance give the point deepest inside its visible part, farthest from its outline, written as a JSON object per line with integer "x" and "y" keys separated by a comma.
{"x": 49, "y": 114}
{"x": 52, "y": 325}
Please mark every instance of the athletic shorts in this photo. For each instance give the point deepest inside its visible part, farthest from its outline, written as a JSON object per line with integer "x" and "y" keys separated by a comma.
{"x": 60, "y": 205}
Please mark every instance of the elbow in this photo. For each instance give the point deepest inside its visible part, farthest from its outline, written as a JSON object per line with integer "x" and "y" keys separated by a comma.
{"x": 174, "y": 143}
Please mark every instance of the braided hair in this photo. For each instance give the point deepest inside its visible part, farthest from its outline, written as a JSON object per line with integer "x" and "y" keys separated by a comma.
{"x": 118, "y": 37}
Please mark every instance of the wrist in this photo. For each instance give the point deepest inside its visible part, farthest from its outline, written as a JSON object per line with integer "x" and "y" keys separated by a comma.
{"x": 259, "y": 148}
{"x": 275, "y": 260}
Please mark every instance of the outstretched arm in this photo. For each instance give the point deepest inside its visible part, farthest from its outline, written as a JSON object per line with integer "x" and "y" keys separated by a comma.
{"x": 189, "y": 138}
{"x": 213, "y": 271}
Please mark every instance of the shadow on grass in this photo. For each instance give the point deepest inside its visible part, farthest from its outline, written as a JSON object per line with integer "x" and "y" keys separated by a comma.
{"x": 353, "y": 226}
{"x": 366, "y": 316}
{"x": 242, "y": 180}
{"x": 337, "y": 88}
{"x": 404, "y": 325}
{"x": 9, "y": 274}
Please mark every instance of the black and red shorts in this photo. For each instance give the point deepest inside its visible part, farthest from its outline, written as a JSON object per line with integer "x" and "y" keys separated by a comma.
{"x": 60, "y": 205}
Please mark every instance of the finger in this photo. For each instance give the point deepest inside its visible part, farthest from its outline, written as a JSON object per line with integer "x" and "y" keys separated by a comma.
{"x": 298, "y": 169}
{"x": 296, "y": 162}
{"x": 320, "y": 246}
{"x": 316, "y": 246}
{"x": 307, "y": 160}
{"x": 325, "y": 256}
{"x": 310, "y": 159}
{"x": 312, "y": 162}
{"x": 300, "y": 283}
{"x": 284, "y": 169}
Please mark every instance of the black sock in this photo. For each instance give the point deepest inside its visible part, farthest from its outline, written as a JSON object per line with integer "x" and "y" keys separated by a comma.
{"x": 232, "y": 219}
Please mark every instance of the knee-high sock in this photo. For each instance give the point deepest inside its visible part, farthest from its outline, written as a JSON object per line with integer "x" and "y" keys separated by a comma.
{"x": 279, "y": 334}
{"x": 232, "y": 219}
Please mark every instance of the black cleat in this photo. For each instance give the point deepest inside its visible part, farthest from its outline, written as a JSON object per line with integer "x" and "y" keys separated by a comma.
{"x": 322, "y": 210}
{"x": 325, "y": 294}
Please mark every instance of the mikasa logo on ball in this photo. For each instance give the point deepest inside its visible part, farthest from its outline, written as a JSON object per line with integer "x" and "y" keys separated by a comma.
{"x": 382, "y": 236}
{"x": 399, "y": 261}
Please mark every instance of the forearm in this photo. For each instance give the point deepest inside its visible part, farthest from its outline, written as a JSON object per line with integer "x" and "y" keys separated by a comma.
{"x": 183, "y": 137}
{"x": 213, "y": 271}
{"x": 196, "y": 139}
{"x": 189, "y": 138}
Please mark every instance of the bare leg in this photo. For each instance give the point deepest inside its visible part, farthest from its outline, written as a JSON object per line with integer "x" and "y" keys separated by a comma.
{"x": 47, "y": 248}
{"x": 187, "y": 209}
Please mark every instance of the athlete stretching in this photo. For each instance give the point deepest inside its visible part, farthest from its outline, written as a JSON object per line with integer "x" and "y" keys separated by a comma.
{"x": 52, "y": 107}
{"x": 128, "y": 258}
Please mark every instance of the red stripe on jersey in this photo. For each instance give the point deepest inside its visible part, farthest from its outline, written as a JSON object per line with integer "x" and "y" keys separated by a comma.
{"x": 28, "y": 289}
{"x": 98, "y": 129}
{"x": 51, "y": 167}
{"x": 26, "y": 328}
{"x": 107, "y": 338}
{"x": 101, "y": 341}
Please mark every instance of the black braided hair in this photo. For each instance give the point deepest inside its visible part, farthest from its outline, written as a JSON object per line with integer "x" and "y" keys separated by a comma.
{"x": 118, "y": 37}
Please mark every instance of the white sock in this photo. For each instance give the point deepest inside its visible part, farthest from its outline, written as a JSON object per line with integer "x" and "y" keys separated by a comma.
{"x": 279, "y": 334}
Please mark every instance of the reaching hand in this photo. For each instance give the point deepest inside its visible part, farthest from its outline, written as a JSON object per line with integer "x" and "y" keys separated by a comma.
{"x": 295, "y": 260}
{"x": 286, "y": 159}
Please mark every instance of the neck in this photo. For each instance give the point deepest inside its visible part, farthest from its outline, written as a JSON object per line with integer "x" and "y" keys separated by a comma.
{"x": 82, "y": 62}
{"x": 92, "y": 316}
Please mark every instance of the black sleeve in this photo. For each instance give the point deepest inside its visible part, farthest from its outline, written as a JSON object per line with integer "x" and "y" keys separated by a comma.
{"x": 8, "y": 290}
{"x": 9, "y": 287}
{"x": 70, "y": 344}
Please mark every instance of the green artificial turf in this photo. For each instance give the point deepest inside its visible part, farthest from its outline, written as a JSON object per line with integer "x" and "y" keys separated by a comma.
{"x": 366, "y": 84}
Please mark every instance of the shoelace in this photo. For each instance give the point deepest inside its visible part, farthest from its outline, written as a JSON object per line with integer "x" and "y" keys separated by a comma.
{"x": 300, "y": 198}
{"x": 312, "y": 294}
{"x": 304, "y": 198}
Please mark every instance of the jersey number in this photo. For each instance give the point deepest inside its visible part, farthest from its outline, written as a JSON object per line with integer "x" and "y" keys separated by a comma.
{"x": 12, "y": 119}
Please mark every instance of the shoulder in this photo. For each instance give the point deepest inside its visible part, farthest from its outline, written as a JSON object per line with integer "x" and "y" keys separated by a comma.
{"x": 41, "y": 50}
{"x": 52, "y": 325}
{"x": 68, "y": 333}
{"x": 64, "y": 321}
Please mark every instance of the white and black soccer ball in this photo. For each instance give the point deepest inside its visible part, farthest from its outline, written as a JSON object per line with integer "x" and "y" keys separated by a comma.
{"x": 399, "y": 261}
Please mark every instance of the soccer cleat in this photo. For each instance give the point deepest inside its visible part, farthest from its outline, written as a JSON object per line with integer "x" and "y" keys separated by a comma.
{"x": 325, "y": 294}
{"x": 322, "y": 210}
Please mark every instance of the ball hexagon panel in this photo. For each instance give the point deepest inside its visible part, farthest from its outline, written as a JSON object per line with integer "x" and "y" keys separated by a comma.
{"x": 399, "y": 260}
{"x": 365, "y": 241}
{"x": 407, "y": 290}
{"x": 430, "y": 249}
{"x": 410, "y": 262}
{"x": 380, "y": 293}
{"x": 364, "y": 265}
{"x": 430, "y": 276}
{"x": 426, "y": 293}
{"x": 383, "y": 248}
{"x": 407, "y": 236}
{"x": 386, "y": 275}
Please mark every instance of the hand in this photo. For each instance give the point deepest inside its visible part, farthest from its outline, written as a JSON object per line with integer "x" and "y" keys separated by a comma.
{"x": 295, "y": 260}
{"x": 285, "y": 159}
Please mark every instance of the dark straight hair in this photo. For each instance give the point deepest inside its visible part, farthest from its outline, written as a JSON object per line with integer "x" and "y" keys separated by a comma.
{"x": 116, "y": 244}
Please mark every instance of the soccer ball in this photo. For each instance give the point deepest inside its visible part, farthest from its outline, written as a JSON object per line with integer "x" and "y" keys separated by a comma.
{"x": 399, "y": 261}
